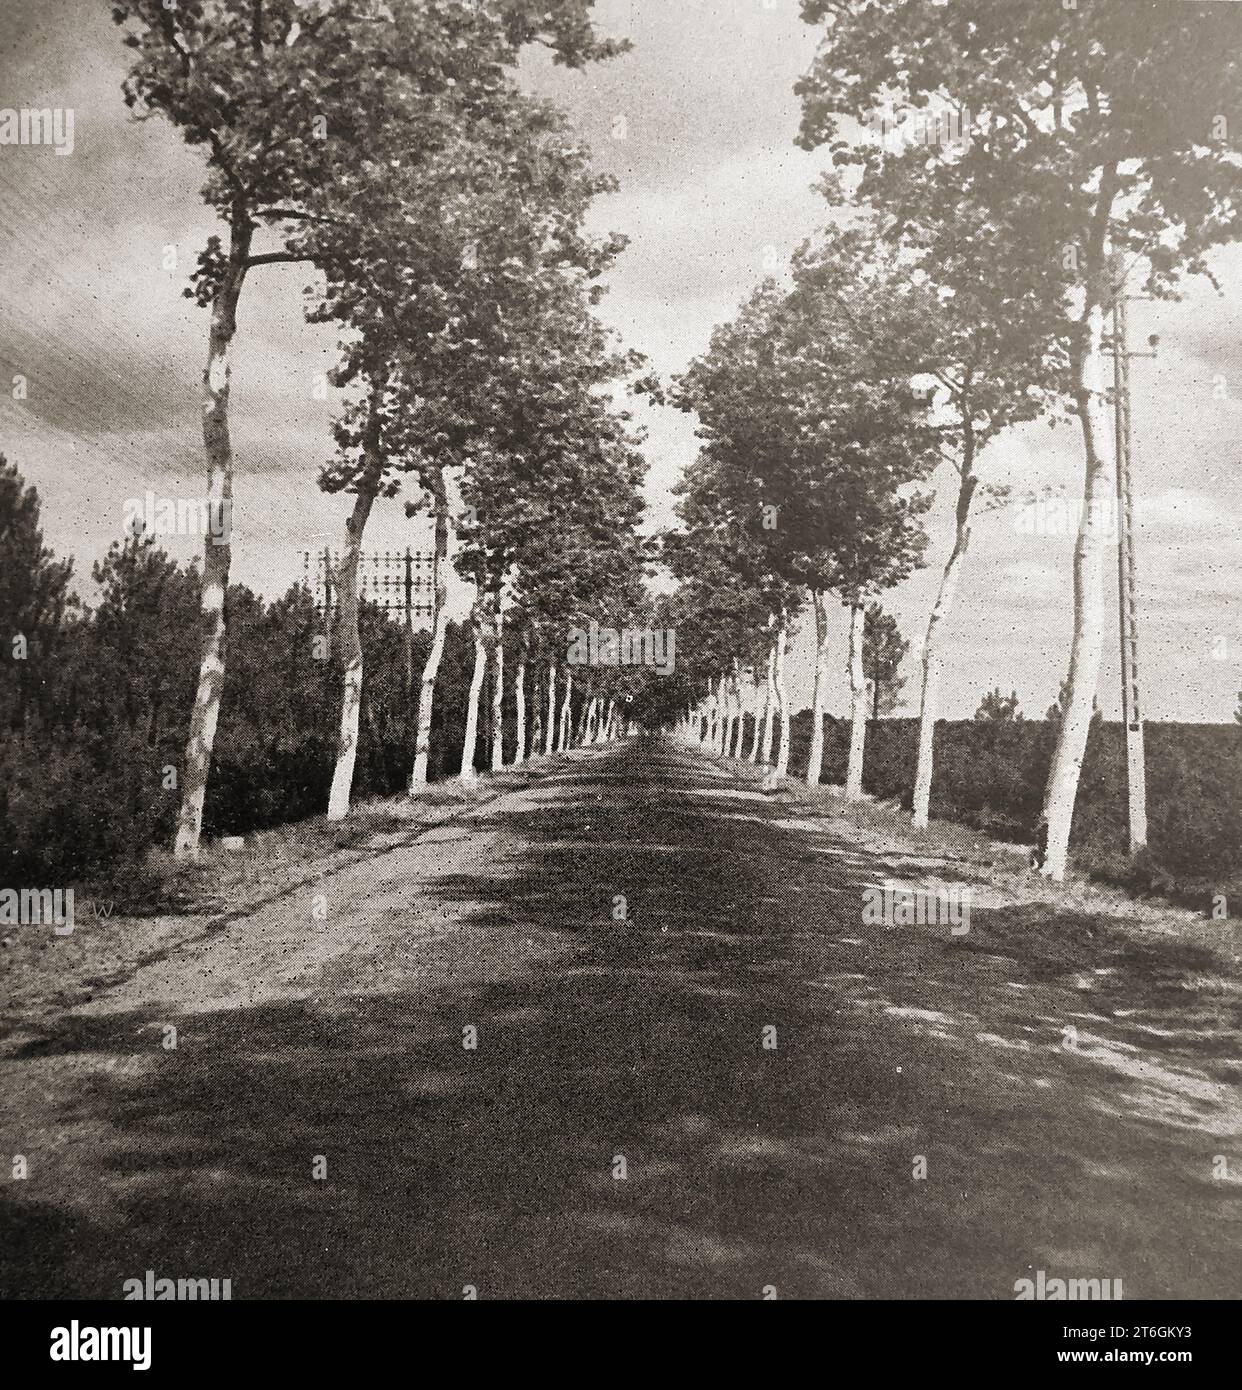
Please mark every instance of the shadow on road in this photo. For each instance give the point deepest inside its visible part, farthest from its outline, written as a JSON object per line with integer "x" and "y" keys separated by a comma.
{"x": 746, "y": 1166}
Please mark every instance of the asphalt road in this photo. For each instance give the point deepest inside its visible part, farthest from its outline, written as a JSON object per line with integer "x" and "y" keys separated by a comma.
{"x": 621, "y": 1129}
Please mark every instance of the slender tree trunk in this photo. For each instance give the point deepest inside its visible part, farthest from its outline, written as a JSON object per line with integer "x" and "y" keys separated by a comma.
{"x": 858, "y": 705}
{"x": 519, "y": 704}
{"x": 739, "y": 726}
{"x": 566, "y": 713}
{"x": 347, "y": 615}
{"x": 351, "y": 661}
{"x": 769, "y": 707}
{"x": 929, "y": 706}
{"x": 550, "y": 744}
{"x": 351, "y": 654}
{"x": 217, "y": 557}
{"x": 1088, "y": 642}
{"x": 735, "y": 706}
{"x": 758, "y": 733}
{"x": 467, "y": 773}
{"x": 585, "y": 714}
{"x": 431, "y": 669}
{"x": 498, "y": 689}
{"x": 782, "y": 696}
{"x": 726, "y": 732}
{"x": 1090, "y": 385}
{"x": 819, "y": 702}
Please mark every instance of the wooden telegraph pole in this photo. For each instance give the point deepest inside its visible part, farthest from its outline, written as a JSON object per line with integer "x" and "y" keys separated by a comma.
{"x": 408, "y": 587}
{"x": 1127, "y": 588}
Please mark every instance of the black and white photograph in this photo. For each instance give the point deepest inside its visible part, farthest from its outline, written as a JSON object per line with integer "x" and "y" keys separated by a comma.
{"x": 620, "y": 669}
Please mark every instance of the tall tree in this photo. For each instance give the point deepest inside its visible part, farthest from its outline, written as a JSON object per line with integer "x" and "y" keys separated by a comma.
{"x": 257, "y": 90}
{"x": 443, "y": 274}
{"x": 819, "y": 439}
{"x": 1100, "y": 129}
{"x": 35, "y": 599}
{"x": 884, "y": 649}
{"x": 987, "y": 341}
{"x": 366, "y": 437}
{"x": 996, "y": 708}
{"x": 555, "y": 489}
{"x": 283, "y": 97}
{"x": 728, "y": 596}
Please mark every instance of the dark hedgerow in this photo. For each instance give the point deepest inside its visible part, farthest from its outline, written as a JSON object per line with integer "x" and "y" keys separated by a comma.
{"x": 97, "y": 716}
{"x": 991, "y": 775}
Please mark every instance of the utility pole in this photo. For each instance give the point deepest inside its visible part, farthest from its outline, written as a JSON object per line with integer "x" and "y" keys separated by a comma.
{"x": 1127, "y": 588}
{"x": 409, "y": 623}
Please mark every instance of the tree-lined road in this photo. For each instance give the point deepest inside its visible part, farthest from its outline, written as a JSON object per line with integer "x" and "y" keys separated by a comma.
{"x": 745, "y": 1167}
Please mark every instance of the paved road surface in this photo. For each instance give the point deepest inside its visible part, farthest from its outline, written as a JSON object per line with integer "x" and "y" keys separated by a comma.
{"x": 746, "y": 1167}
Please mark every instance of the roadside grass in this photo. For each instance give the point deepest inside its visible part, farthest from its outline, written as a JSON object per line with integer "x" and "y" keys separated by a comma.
{"x": 124, "y": 920}
{"x": 953, "y": 851}
{"x": 990, "y": 775}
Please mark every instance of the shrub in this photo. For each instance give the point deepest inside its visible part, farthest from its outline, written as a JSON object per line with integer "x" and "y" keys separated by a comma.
{"x": 991, "y": 774}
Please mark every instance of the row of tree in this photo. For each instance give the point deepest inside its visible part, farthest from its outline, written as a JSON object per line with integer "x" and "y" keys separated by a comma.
{"x": 389, "y": 145}
{"x": 96, "y": 697}
{"x": 960, "y": 289}
{"x": 998, "y": 708}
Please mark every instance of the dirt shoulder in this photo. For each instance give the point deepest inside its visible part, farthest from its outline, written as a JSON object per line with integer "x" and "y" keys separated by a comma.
{"x": 998, "y": 871}
{"x": 43, "y": 973}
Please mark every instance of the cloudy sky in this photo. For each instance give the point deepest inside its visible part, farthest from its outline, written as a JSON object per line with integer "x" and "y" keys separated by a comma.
{"x": 698, "y": 125}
